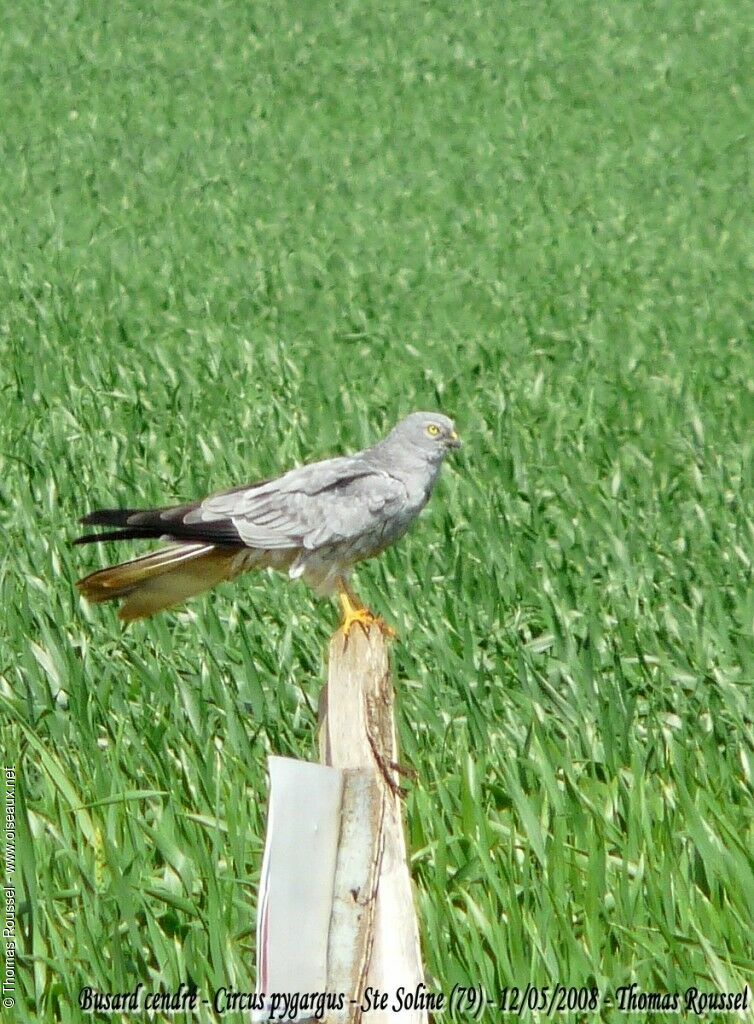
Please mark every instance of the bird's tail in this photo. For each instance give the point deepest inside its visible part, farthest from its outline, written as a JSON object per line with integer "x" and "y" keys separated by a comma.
{"x": 163, "y": 578}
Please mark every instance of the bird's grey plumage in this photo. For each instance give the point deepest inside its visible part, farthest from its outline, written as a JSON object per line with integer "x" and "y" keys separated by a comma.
{"x": 317, "y": 520}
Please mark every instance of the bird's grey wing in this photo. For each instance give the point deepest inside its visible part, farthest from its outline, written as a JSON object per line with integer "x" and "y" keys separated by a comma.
{"x": 309, "y": 507}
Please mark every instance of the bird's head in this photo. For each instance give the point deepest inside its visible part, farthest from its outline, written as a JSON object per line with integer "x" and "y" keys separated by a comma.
{"x": 430, "y": 432}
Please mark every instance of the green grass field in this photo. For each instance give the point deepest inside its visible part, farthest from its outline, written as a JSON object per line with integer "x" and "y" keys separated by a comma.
{"x": 238, "y": 236}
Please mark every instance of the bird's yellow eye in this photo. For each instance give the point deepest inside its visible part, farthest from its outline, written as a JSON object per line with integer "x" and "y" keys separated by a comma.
{"x": 433, "y": 430}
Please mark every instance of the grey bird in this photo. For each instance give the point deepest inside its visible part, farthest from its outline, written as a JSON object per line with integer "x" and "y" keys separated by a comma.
{"x": 315, "y": 523}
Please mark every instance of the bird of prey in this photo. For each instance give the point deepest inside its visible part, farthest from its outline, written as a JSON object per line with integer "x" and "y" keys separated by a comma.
{"x": 315, "y": 522}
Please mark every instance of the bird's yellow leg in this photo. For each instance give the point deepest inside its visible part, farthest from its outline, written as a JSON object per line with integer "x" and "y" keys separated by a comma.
{"x": 354, "y": 611}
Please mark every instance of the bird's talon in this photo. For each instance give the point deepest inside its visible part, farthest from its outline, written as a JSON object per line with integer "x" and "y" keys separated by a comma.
{"x": 366, "y": 620}
{"x": 355, "y": 612}
{"x": 361, "y": 616}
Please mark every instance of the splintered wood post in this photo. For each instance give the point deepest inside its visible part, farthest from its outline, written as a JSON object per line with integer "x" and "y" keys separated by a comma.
{"x": 373, "y": 944}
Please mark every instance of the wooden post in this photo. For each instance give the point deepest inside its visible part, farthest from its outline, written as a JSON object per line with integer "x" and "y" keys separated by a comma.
{"x": 373, "y": 944}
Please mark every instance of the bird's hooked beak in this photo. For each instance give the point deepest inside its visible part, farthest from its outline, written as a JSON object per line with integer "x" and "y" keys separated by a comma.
{"x": 454, "y": 441}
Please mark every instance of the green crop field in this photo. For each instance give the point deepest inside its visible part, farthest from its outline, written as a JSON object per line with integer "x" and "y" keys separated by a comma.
{"x": 236, "y": 236}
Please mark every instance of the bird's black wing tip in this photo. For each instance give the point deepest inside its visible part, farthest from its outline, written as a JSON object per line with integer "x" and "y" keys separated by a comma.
{"x": 108, "y": 517}
{"x": 94, "y": 538}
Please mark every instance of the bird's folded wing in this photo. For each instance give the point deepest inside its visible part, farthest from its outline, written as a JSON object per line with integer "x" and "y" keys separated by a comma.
{"x": 309, "y": 507}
